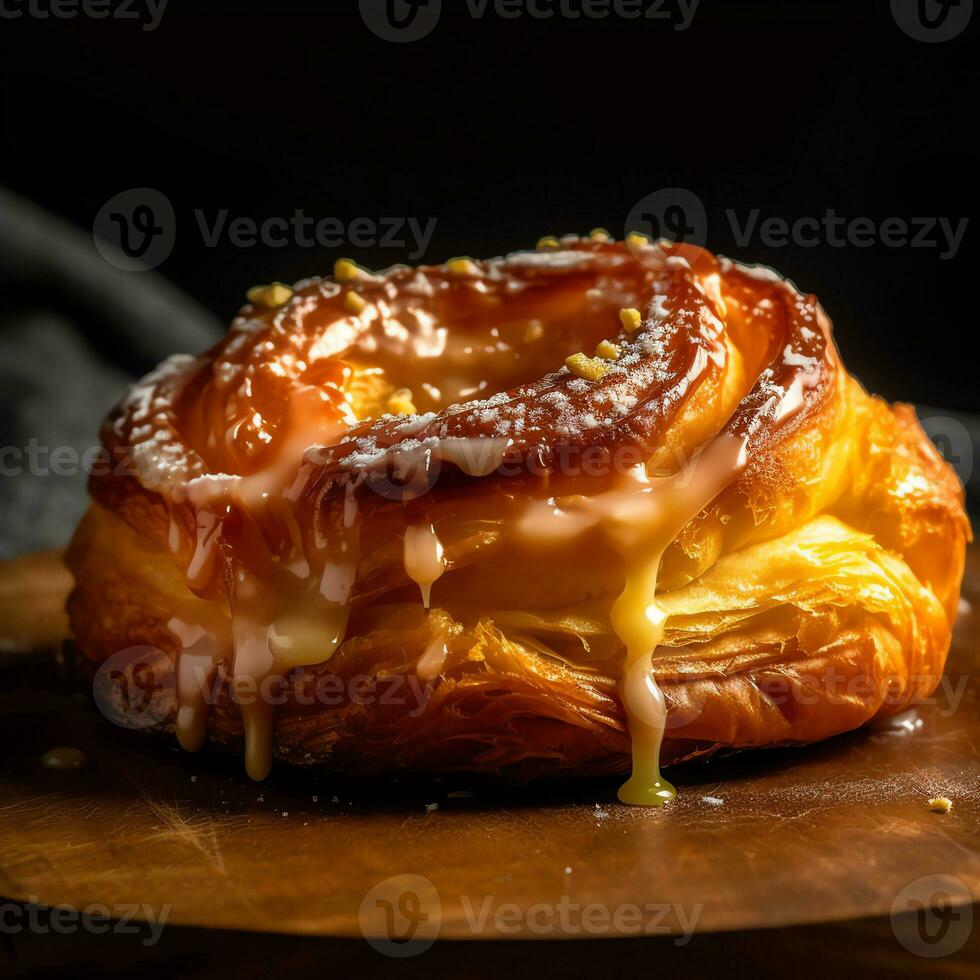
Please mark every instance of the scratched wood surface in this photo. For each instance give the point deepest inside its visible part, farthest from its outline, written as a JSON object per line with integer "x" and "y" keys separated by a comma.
{"x": 825, "y": 833}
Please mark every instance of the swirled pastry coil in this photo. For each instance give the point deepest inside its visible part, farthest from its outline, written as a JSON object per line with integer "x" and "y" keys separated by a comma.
{"x": 706, "y": 535}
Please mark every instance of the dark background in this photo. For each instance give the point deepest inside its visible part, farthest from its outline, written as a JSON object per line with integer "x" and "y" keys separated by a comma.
{"x": 506, "y": 130}
{"x": 503, "y": 130}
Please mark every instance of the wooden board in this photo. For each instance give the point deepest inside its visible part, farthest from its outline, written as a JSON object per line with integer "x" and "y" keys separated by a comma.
{"x": 834, "y": 831}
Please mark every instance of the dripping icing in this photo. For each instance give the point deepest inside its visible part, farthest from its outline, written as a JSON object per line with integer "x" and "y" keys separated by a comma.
{"x": 269, "y": 637}
{"x": 197, "y": 661}
{"x": 432, "y": 661}
{"x": 641, "y": 521}
{"x": 424, "y": 558}
{"x": 639, "y": 620}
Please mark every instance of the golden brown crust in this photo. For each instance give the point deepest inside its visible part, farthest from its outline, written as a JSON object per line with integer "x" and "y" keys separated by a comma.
{"x": 813, "y": 594}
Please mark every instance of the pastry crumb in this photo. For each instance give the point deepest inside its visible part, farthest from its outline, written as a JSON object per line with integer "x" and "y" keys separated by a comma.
{"x": 631, "y": 319}
{"x": 462, "y": 267}
{"x": 354, "y": 303}
{"x": 590, "y": 368}
{"x": 269, "y": 296}
{"x": 607, "y": 350}
{"x": 345, "y": 271}
{"x": 940, "y": 804}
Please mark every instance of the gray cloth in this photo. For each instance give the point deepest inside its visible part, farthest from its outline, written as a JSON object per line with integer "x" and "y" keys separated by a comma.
{"x": 74, "y": 330}
{"x": 55, "y": 392}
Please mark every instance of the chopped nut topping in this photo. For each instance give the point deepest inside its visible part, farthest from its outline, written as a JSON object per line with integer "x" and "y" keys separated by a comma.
{"x": 590, "y": 368}
{"x": 533, "y": 332}
{"x": 607, "y": 350}
{"x": 345, "y": 271}
{"x": 940, "y": 804}
{"x": 600, "y": 235}
{"x": 400, "y": 402}
{"x": 637, "y": 240}
{"x": 630, "y": 319}
{"x": 462, "y": 267}
{"x": 549, "y": 241}
{"x": 354, "y": 303}
{"x": 270, "y": 296}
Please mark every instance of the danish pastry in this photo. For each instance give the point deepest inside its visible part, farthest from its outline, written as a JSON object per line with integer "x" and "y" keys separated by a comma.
{"x": 593, "y": 508}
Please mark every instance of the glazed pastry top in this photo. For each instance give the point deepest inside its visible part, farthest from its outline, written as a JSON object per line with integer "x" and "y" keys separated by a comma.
{"x": 457, "y": 370}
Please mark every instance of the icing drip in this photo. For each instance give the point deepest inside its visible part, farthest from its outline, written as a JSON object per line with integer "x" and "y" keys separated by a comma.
{"x": 272, "y": 631}
{"x": 299, "y": 641}
{"x": 432, "y": 661}
{"x": 196, "y": 665}
{"x": 641, "y": 521}
{"x": 268, "y": 645}
{"x": 253, "y": 667}
{"x": 173, "y": 535}
{"x": 424, "y": 560}
{"x": 475, "y": 457}
{"x": 201, "y": 568}
{"x": 638, "y": 619}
